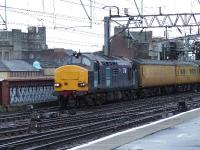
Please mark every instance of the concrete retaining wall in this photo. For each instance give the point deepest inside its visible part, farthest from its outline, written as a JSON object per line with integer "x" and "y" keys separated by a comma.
{"x": 121, "y": 138}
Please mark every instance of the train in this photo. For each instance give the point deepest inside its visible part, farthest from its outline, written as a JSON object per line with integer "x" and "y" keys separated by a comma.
{"x": 90, "y": 79}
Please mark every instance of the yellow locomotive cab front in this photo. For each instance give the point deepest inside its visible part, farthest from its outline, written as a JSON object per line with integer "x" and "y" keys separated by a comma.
{"x": 71, "y": 78}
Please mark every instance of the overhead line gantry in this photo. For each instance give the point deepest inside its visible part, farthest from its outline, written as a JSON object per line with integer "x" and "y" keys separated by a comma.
{"x": 147, "y": 21}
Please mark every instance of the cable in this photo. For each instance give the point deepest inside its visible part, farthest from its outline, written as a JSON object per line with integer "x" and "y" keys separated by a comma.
{"x": 85, "y": 4}
{"x": 76, "y": 43}
{"x": 43, "y": 13}
{"x": 70, "y": 31}
{"x": 100, "y": 8}
{"x": 98, "y": 3}
{"x": 64, "y": 41}
{"x": 96, "y": 22}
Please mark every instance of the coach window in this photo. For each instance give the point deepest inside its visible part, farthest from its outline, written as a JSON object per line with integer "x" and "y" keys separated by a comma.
{"x": 182, "y": 71}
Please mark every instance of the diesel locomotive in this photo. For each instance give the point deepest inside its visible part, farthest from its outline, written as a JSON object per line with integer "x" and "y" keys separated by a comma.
{"x": 94, "y": 79}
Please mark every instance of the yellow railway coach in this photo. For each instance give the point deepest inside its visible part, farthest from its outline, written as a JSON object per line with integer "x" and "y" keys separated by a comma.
{"x": 153, "y": 73}
{"x": 187, "y": 73}
{"x": 169, "y": 75}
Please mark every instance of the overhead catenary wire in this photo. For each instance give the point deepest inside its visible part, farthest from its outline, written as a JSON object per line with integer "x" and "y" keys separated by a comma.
{"x": 77, "y": 3}
{"x": 98, "y": 3}
{"x": 46, "y": 18}
{"x": 62, "y": 30}
{"x": 58, "y": 26}
{"x": 40, "y": 13}
{"x": 74, "y": 41}
{"x": 99, "y": 8}
{"x": 61, "y": 27}
{"x": 34, "y": 13}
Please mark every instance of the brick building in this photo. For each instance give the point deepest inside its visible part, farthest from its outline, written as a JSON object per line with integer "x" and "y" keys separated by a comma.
{"x": 131, "y": 45}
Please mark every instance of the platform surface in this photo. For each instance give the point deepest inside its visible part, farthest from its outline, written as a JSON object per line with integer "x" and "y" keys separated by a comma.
{"x": 179, "y": 132}
{"x": 185, "y": 136}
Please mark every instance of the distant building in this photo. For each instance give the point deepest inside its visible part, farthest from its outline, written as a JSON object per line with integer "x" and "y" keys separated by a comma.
{"x": 171, "y": 49}
{"x": 18, "y": 69}
{"x": 48, "y": 59}
{"x": 131, "y": 45}
{"x": 23, "y": 49}
{"x": 6, "y": 50}
{"x": 14, "y": 43}
{"x": 156, "y": 50}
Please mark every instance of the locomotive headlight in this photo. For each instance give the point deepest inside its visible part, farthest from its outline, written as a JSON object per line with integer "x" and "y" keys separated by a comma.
{"x": 82, "y": 84}
{"x": 57, "y": 84}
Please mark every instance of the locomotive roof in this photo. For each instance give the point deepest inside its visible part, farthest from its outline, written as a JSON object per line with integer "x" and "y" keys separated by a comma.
{"x": 126, "y": 61}
{"x": 163, "y": 62}
{"x": 103, "y": 58}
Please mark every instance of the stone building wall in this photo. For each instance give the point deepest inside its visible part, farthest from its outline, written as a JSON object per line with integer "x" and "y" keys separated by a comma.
{"x": 18, "y": 41}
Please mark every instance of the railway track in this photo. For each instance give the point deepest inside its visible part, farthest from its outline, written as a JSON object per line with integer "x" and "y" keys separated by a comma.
{"x": 66, "y": 131}
{"x": 10, "y": 117}
{"x": 22, "y": 127}
{"x": 80, "y": 130}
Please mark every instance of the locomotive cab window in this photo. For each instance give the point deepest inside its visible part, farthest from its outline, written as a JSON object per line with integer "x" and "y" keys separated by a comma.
{"x": 76, "y": 60}
{"x": 86, "y": 61}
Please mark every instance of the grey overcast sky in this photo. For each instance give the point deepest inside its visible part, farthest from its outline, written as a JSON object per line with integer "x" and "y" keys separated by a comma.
{"x": 65, "y": 19}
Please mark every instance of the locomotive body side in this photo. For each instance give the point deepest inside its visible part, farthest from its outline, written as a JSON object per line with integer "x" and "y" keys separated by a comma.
{"x": 115, "y": 77}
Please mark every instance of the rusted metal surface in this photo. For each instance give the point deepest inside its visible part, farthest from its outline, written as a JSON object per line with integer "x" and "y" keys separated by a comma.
{"x": 26, "y": 91}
